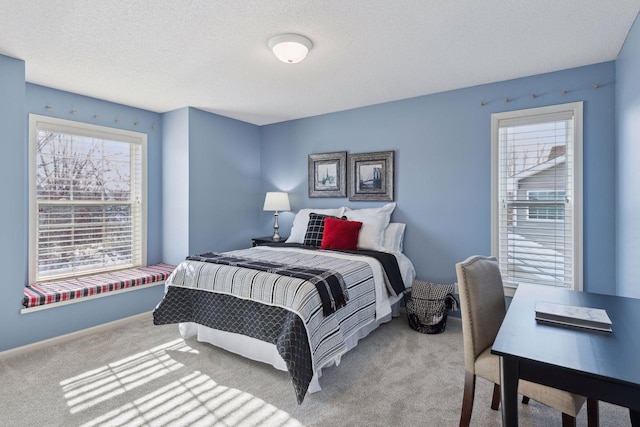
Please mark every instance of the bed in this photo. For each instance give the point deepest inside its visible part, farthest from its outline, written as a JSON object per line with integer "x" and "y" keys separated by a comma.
{"x": 298, "y": 306}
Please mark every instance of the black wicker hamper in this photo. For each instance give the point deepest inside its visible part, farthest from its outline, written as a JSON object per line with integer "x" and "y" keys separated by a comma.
{"x": 428, "y": 305}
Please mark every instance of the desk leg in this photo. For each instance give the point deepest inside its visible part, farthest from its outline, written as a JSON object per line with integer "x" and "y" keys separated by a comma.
{"x": 634, "y": 416}
{"x": 509, "y": 391}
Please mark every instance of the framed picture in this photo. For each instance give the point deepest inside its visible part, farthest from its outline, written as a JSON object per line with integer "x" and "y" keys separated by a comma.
{"x": 328, "y": 174}
{"x": 371, "y": 176}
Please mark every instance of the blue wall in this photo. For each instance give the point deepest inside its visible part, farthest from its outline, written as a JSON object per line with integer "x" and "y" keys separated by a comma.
{"x": 13, "y": 179}
{"x": 221, "y": 190}
{"x": 17, "y": 100}
{"x": 224, "y": 182}
{"x": 443, "y": 156}
{"x": 175, "y": 185}
{"x": 628, "y": 164}
{"x": 212, "y": 183}
{"x": 442, "y": 145}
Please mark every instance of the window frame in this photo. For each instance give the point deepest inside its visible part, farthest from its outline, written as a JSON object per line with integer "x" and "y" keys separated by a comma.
{"x": 92, "y": 131}
{"x": 532, "y": 116}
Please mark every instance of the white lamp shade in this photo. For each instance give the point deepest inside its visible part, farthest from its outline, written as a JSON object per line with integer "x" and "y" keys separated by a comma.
{"x": 276, "y": 201}
{"x": 290, "y": 48}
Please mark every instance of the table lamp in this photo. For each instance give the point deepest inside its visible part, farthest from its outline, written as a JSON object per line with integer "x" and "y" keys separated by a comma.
{"x": 276, "y": 201}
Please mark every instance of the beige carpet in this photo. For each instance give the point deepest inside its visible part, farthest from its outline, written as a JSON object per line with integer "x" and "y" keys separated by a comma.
{"x": 146, "y": 375}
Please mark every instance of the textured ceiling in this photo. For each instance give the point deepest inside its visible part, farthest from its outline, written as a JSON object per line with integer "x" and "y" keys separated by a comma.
{"x": 162, "y": 55}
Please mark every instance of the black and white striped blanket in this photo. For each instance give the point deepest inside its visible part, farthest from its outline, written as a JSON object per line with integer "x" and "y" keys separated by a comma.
{"x": 323, "y": 337}
{"x": 330, "y": 285}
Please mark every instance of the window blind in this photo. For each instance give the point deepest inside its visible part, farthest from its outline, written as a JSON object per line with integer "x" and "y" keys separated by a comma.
{"x": 88, "y": 198}
{"x": 536, "y": 197}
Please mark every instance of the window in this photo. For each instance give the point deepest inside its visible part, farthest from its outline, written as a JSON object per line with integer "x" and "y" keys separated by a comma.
{"x": 549, "y": 205}
{"x": 87, "y": 199}
{"x": 537, "y": 196}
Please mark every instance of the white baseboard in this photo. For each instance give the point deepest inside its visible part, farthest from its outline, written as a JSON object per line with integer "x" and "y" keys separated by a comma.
{"x": 73, "y": 335}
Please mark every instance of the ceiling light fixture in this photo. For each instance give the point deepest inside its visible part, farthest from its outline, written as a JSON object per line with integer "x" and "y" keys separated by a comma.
{"x": 290, "y": 48}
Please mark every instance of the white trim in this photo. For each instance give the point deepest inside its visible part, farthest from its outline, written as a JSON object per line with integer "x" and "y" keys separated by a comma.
{"x": 90, "y": 297}
{"x": 532, "y": 115}
{"x": 18, "y": 351}
{"x": 578, "y": 202}
{"x": 89, "y": 130}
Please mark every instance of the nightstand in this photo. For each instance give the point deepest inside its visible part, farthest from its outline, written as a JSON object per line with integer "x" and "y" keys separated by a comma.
{"x": 257, "y": 241}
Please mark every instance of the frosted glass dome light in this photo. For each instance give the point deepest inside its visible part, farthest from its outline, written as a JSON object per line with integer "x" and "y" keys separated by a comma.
{"x": 290, "y": 48}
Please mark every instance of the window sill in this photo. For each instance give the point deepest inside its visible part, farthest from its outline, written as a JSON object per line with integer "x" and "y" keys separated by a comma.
{"x": 55, "y": 294}
{"x": 509, "y": 291}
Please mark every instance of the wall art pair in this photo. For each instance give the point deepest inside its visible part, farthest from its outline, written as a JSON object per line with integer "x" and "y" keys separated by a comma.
{"x": 370, "y": 175}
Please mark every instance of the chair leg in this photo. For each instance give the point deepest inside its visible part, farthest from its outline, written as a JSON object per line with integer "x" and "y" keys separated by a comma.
{"x": 525, "y": 400}
{"x": 568, "y": 420}
{"x": 593, "y": 412}
{"x": 495, "y": 400}
{"x": 467, "y": 399}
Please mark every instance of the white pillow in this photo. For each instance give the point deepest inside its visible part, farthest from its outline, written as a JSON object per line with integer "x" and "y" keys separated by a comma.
{"x": 374, "y": 222}
{"x": 393, "y": 240}
{"x": 301, "y": 221}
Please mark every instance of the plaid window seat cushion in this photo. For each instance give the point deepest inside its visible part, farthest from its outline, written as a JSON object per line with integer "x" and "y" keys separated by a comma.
{"x": 63, "y": 290}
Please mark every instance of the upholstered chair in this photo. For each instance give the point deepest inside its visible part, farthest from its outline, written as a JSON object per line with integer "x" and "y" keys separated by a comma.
{"x": 483, "y": 308}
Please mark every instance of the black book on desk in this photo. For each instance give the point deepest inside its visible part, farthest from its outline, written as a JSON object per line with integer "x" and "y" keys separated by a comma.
{"x": 572, "y": 315}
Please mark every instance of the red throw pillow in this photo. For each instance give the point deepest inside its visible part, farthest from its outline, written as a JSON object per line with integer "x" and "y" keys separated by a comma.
{"x": 340, "y": 234}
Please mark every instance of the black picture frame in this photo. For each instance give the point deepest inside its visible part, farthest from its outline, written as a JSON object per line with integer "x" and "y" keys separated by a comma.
{"x": 328, "y": 174}
{"x": 371, "y": 176}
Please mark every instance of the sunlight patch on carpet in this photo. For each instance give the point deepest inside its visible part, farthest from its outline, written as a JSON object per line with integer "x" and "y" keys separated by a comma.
{"x": 192, "y": 400}
{"x": 98, "y": 385}
{"x": 195, "y": 400}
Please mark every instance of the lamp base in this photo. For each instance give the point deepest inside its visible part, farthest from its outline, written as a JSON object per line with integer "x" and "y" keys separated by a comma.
{"x": 276, "y": 235}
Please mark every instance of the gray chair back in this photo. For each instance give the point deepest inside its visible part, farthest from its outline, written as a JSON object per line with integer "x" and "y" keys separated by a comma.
{"x": 482, "y": 305}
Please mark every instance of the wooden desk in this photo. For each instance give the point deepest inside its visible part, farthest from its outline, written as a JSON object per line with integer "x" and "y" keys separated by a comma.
{"x": 600, "y": 365}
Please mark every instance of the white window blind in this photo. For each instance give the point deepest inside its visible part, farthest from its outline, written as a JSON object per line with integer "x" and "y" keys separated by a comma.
{"x": 537, "y": 195}
{"x": 88, "y": 189}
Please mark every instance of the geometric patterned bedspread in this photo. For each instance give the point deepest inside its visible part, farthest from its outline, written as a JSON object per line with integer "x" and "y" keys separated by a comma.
{"x": 281, "y": 310}
{"x": 227, "y": 313}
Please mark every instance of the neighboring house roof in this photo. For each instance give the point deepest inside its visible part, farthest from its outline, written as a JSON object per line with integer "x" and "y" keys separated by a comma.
{"x": 540, "y": 167}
